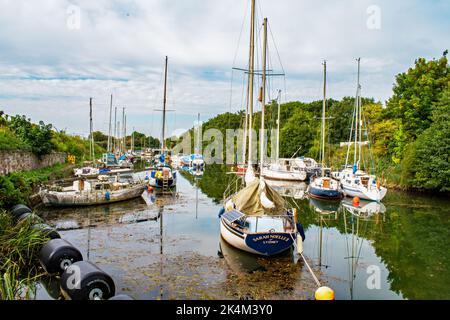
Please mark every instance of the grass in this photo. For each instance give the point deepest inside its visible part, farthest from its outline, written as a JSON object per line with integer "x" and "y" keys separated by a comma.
{"x": 17, "y": 187}
{"x": 19, "y": 265}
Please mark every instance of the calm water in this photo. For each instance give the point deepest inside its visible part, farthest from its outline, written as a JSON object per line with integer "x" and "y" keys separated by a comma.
{"x": 170, "y": 247}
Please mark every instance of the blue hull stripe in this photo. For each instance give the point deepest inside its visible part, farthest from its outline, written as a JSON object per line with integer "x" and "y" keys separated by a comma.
{"x": 320, "y": 193}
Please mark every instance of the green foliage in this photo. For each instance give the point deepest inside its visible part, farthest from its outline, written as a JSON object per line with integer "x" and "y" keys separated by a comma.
{"x": 427, "y": 164}
{"x": 298, "y": 134}
{"x": 18, "y": 187}
{"x": 38, "y": 136}
{"x": 10, "y": 141}
{"x": 19, "y": 252}
{"x": 75, "y": 145}
{"x": 415, "y": 93}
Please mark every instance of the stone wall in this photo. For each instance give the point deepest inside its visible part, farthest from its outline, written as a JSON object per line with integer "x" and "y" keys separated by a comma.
{"x": 14, "y": 161}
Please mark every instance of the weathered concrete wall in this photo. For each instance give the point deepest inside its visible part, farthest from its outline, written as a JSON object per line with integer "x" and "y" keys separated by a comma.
{"x": 14, "y": 161}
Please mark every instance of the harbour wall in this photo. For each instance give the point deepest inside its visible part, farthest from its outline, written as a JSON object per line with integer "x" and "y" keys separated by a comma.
{"x": 16, "y": 161}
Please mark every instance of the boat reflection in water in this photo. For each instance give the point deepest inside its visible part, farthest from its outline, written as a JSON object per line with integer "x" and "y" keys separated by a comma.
{"x": 252, "y": 276}
{"x": 365, "y": 209}
{"x": 324, "y": 207}
{"x": 289, "y": 189}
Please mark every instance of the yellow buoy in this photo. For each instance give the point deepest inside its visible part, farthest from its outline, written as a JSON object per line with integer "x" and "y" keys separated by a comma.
{"x": 324, "y": 293}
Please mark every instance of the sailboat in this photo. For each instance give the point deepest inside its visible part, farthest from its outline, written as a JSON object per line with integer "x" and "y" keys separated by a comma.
{"x": 284, "y": 169}
{"x": 355, "y": 182}
{"x": 89, "y": 170}
{"x": 255, "y": 219}
{"x": 324, "y": 187}
{"x": 163, "y": 175}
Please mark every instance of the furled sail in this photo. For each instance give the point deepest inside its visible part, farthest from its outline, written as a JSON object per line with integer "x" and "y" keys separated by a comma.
{"x": 258, "y": 199}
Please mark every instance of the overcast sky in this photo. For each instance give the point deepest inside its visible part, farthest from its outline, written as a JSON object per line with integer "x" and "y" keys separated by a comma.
{"x": 51, "y": 62}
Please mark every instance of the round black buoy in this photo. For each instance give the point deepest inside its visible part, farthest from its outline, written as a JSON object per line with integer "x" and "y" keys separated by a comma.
{"x": 85, "y": 281}
{"x": 121, "y": 297}
{"x": 19, "y": 210}
{"x": 47, "y": 230}
{"x": 31, "y": 217}
{"x": 58, "y": 254}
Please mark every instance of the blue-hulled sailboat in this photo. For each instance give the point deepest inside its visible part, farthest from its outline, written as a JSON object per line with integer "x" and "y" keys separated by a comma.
{"x": 256, "y": 218}
{"x": 324, "y": 187}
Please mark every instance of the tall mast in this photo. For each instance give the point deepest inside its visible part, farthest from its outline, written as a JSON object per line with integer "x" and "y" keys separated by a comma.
{"x": 115, "y": 130}
{"x": 132, "y": 141}
{"x": 360, "y": 112}
{"x": 250, "y": 84}
{"x": 356, "y": 117}
{"x": 278, "y": 125}
{"x": 323, "y": 115}
{"x": 199, "y": 132}
{"x": 91, "y": 132}
{"x": 123, "y": 131}
{"x": 263, "y": 98}
{"x": 125, "y": 135}
{"x": 164, "y": 107}
{"x": 108, "y": 150}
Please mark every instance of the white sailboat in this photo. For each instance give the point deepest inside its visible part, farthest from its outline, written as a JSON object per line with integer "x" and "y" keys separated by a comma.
{"x": 356, "y": 182}
{"x": 255, "y": 219}
{"x": 163, "y": 175}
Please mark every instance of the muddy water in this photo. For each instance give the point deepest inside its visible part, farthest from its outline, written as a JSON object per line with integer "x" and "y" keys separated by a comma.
{"x": 169, "y": 247}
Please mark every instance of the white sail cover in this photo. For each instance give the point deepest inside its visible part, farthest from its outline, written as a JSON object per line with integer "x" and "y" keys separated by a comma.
{"x": 258, "y": 199}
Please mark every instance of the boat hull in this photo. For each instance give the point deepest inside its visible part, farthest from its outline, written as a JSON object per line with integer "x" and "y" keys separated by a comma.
{"x": 90, "y": 198}
{"x": 363, "y": 193}
{"x": 283, "y": 175}
{"x": 265, "y": 244}
{"x": 324, "y": 194}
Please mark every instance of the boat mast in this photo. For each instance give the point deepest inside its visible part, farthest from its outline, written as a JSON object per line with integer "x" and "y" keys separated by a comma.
{"x": 123, "y": 132}
{"x": 115, "y": 130}
{"x": 250, "y": 84}
{"x": 263, "y": 99}
{"x": 132, "y": 141}
{"x": 323, "y": 115}
{"x": 197, "y": 142}
{"x": 356, "y": 118}
{"x": 125, "y": 135}
{"x": 91, "y": 132}
{"x": 108, "y": 150}
{"x": 360, "y": 113}
{"x": 164, "y": 107}
{"x": 278, "y": 125}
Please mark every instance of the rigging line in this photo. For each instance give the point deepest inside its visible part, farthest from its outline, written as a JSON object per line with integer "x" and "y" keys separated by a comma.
{"x": 276, "y": 48}
{"x": 235, "y": 57}
{"x": 241, "y": 32}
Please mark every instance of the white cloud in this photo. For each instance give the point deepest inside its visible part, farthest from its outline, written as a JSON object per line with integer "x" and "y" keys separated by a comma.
{"x": 48, "y": 71}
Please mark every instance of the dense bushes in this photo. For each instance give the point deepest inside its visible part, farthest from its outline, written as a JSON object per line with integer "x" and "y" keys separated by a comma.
{"x": 18, "y": 187}
{"x": 37, "y": 136}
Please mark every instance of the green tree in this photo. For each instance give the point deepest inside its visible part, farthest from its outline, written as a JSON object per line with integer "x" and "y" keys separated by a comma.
{"x": 427, "y": 164}
{"x": 38, "y": 136}
{"x": 415, "y": 92}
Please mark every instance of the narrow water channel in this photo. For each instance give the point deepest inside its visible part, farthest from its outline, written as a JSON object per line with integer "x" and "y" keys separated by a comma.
{"x": 169, "y": 247}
